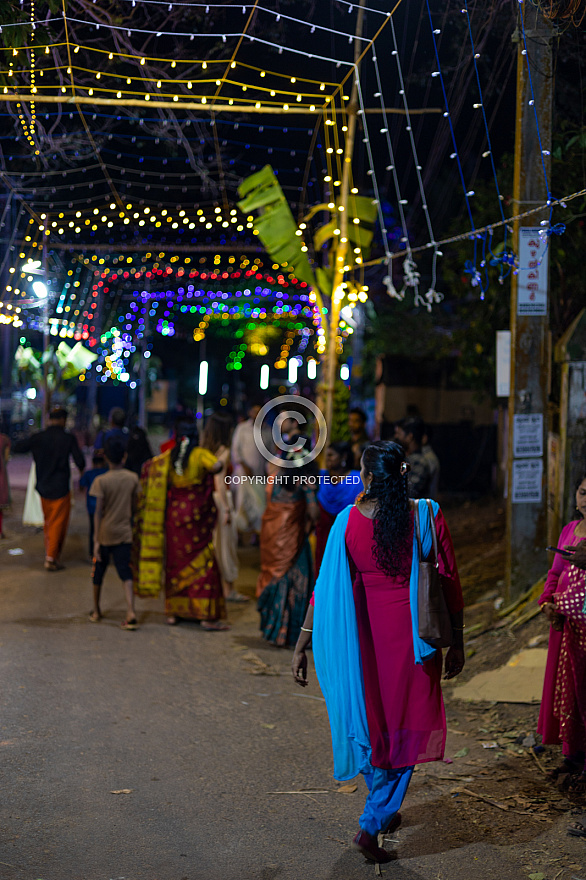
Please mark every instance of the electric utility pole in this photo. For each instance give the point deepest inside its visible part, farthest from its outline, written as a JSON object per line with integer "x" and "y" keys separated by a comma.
{"x": 526, "y": 536}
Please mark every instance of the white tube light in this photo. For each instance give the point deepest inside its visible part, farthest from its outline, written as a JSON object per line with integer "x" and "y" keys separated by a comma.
{"x": 264, "y": 377}
{"x": 203, "y": 377}
{"x": 40, "y": 289}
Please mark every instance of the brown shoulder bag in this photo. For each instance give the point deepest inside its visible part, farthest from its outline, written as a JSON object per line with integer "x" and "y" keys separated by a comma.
{"x": 435, "y": 625}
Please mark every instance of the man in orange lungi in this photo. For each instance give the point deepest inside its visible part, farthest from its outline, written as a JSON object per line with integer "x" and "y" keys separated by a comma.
{"x": 51, "y": 450}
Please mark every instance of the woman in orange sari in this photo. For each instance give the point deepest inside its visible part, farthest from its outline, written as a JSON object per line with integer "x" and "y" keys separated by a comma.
{"x": 286, "y": 579}
{"x": 174, "y": 528}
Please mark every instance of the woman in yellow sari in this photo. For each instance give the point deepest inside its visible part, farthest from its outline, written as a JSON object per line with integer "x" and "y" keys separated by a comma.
{"x": 174, "y": 528}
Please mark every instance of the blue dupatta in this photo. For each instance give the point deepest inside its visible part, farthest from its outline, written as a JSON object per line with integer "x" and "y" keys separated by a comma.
{"x": 336, "y": 648}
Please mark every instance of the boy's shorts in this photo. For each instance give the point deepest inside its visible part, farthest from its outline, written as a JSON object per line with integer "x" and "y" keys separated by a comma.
{"x": 120, "y": 554}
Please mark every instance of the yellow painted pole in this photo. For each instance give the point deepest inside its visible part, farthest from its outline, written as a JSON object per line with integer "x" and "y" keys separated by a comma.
{"x": 341, "y": 250}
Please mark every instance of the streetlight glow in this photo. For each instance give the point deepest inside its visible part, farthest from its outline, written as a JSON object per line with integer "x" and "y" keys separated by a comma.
{"x": 203, "y": 377}
{"x": 264, "y": 377}
{"x": 293, "y": 370}
{"x": 344, "y": 372}
{"x": 311, "y": 368}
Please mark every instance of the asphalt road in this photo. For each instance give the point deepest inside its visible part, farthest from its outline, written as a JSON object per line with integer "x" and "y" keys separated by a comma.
{"x": 160, "y": 754}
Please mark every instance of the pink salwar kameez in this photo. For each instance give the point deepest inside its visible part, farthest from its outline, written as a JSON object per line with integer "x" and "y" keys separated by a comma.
{"x": 404, "y": 705}
{"x": 562, "y": 717}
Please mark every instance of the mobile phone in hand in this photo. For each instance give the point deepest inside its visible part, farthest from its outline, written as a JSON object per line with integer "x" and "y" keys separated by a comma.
{"x": 566, "y": 553}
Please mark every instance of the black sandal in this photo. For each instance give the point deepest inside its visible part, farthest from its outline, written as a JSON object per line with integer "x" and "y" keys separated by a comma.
{"x": 393, "y": 825}
{"x": 577, "y": 784}
{"x": 577, "y": 829}
{"x": 566, "y": 767}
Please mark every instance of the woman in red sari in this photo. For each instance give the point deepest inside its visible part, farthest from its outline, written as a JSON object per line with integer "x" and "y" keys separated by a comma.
{"x": 562, "y": 717}
{"x": 174, "y": 528}
{"x": 380, "y": 680}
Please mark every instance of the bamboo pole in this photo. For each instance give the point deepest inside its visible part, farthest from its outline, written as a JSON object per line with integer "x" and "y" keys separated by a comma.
{"x": 342, "y": 245}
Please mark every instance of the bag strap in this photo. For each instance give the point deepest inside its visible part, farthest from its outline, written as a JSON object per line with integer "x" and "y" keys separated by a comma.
{"x": 433, "y": 531}
{"x": 435, "y": 557}
{"x": 417, "y": 528}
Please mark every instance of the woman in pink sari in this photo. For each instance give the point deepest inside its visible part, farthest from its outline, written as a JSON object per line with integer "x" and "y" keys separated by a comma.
{"x": 381, "y": 682}
{"x": 562, "y": 717}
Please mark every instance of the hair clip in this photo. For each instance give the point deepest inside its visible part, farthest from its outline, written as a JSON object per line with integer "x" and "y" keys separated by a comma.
{"x": 405, "y": 468}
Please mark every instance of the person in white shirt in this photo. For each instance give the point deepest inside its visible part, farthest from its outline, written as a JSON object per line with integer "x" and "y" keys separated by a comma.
{"x": 248, "y": 462}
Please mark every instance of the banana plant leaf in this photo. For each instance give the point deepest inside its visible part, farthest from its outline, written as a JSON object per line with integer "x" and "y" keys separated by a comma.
{"x": 25, "y": 359}
{"x": 362, "y": 207}
{"x": 325, "y": 279}
{"x": 62, "y": 353}
{"x": 78, "y": 360}
{"x": 275, "y": 225}
{"x": 361, "y": 234}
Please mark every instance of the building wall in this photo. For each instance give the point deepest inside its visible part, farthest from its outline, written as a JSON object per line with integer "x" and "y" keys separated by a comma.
{"x": 436, "y": 405}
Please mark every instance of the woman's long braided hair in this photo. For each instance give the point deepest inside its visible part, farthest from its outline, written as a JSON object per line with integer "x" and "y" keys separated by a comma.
{"x": 392, "y": 523}
{"x": 186, "y": 439}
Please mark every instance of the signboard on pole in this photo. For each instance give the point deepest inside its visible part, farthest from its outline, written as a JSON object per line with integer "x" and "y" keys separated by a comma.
{"x": 528, "y": 435}
{"x": 532, "y": 277}
{"x": 527, "y": 479}
{"x": 503, "y": 363}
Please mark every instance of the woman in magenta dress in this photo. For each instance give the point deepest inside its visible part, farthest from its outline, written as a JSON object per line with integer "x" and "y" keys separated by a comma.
{"x": 562, "y": 717}
{"x": 380, "y": 680}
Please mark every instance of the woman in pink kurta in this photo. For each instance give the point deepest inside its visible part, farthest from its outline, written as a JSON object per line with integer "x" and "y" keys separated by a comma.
{"x": 562, "y": 716}
{"x": 403, "y": 702}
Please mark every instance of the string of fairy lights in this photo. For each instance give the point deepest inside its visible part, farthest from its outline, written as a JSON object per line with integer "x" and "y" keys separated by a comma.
{"x": 279, "y": 301}
{"x": 95, "y": 291}
{"x": 248, "y": 83}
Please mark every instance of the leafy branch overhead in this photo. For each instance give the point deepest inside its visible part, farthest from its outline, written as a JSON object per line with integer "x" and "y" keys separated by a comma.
{"x": 283, "y": 240}
{"x": 275, "y": 225}
{"x": 59, "y": 364}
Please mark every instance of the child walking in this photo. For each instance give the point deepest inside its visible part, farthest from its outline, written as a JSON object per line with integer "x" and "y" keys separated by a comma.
{"x": 86, "y": 481}
{"x": 115, "y": 493}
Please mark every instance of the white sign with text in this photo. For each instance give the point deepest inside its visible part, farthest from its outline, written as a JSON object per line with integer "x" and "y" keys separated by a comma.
{"x": 528, "y": 435}
{"x": 532, "y": 277}
{"x": 527, "y": 479}
{"x": 503, "y": 363}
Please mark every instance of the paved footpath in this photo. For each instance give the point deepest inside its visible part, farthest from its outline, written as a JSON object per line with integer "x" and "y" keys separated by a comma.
{"x": 162, "y": 753}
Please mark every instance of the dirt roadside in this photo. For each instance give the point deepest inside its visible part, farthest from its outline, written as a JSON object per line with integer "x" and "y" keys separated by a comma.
{"x": 265, "y": 806}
